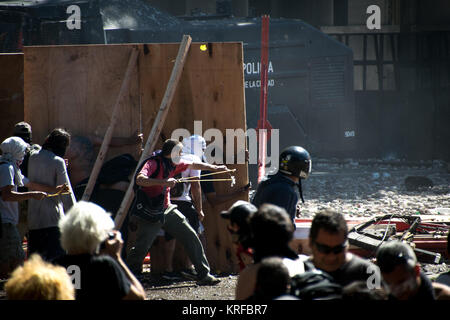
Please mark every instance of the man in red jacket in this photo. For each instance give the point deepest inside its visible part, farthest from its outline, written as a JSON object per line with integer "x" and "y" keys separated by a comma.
{"x": 157, "y": 186}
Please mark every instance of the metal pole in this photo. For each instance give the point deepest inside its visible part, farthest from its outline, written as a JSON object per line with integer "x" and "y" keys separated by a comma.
{"x": 262, "y": 132}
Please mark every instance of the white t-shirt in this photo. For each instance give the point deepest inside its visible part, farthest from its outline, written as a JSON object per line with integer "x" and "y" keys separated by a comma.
{"x": 188, "y": 173}
{"x": 295, "y": 266}
{"x": 9, "y": 210}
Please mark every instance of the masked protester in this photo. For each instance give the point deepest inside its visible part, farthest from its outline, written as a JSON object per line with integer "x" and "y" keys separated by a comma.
{"x": 155, "y": 179}
{"x": 11, "y": 252}
{"x": 238, "y": 217}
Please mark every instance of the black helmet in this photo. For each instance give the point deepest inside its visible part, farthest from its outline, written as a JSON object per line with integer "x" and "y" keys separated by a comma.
{"x": 295, "y": 161}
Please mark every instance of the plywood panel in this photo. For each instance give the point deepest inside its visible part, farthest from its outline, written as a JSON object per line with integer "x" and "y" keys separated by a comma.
{"x": 75, "y": 87}
{"x": 11, "y": 93}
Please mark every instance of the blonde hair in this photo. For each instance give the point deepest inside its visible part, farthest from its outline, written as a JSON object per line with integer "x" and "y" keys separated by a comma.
{"x": 39, "y": 280}
{"x": 84, "y": 227}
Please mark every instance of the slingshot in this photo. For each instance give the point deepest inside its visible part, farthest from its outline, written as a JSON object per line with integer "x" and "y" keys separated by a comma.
{"x": 196, "y": 179}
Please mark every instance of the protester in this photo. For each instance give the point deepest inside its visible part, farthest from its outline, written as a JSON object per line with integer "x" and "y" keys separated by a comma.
{"x": 208, "y": 189}
{"x": 284, "y": 188}
{"x": 13, "y": 152}
{"x": 47, "y": 166}
{"x": 329, "y": 246}
{"x": 23, "y": 130}
{"x": 103, "y": 274}
{"x": 271, "y": 231}
{"x": 156, "y": 179}
{"x": 187, "y": 197}
{"x": 210, "y": 196}
{"x": 39, "y": 280}
{"x": 401, "y": 272}
{"x": 238, "y": 217}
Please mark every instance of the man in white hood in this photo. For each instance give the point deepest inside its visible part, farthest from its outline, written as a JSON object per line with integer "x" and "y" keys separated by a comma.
{"x": 13, "y": 152}
{"x": 188, "y": 197}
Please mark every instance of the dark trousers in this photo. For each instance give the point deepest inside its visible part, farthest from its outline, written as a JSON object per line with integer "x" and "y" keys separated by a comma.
{"x": 45, "y": 242}
{"x": 188, "y": 210}
{"x": 176, "y": 224}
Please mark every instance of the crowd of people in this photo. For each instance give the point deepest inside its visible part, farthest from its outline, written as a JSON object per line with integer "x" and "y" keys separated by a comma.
{"x": 74, "y": 251}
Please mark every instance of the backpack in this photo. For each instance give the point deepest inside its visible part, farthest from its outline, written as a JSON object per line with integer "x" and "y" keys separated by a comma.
{"x": 315, "y": 284}
{"x": 150, "y": 209}
{"x": 156, "y": 155}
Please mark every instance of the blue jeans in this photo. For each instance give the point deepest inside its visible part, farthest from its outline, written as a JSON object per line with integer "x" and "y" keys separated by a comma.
{"x": 177, "y": 225}
{"x": 11, "y": 252}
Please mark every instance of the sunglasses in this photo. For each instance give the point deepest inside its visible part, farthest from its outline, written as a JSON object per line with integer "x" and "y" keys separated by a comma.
{"x": 327, "y": 249}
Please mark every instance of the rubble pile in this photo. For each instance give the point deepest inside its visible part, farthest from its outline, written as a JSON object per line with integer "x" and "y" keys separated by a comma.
{"x": 365, "y": 190}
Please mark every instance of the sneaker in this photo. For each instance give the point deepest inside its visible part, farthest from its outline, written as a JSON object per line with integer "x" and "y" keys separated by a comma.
{"x": 190, "y": 274}
{"x": 171, "y": 275}
{"x": 208, "y": 280}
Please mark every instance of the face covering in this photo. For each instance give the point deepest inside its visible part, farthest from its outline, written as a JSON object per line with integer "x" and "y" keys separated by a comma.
{"x": 13, "y": 149}
{"x": 194, "y": 145}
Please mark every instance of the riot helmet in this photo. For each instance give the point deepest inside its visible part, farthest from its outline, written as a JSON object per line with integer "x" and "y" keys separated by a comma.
{"x": 295, "y": 161}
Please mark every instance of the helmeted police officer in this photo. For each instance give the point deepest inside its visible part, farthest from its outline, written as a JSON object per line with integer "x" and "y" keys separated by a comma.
{"x": 284, "y": 188}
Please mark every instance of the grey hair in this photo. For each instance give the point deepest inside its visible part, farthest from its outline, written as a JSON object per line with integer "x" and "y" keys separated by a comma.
{"x": 84, "y": 227}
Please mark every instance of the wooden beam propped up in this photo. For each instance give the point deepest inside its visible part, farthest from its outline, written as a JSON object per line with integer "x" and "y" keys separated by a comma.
{"x": 157, "y": 125}
{"x": 109, "y": 132}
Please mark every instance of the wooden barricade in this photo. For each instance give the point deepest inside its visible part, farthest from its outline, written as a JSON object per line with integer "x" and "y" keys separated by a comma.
{"x": 75, "y": 87}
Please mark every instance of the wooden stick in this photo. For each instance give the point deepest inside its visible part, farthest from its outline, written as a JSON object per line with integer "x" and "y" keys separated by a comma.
{"x": 157, "y": 125}
{"x": 107, "y": 139}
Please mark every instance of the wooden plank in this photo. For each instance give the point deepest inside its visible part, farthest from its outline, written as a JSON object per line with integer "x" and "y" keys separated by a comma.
{"x": 158, "y": 124}
{"x": 11, "y": 93}
{"x": 114, "y": 118}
